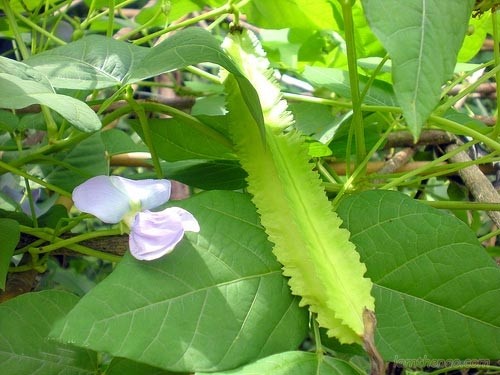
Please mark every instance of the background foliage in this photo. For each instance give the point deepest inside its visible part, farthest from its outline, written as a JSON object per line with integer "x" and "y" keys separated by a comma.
{"x": 400, "y": 119}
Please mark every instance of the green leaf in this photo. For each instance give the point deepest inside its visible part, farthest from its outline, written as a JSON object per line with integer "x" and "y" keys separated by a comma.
{"x": 314, "y": 120}
{"x": 295, "y": 363}
{"x": 17, "y": 94}
{"x": 23, "y": 86}
{"x": 435, "y": 287}
{"x": 72, "y": 167}
{"x": 9, "y": 237}
{"x": 122, "y": 366}
{"x": 282, "y": 14}
{"x": 119, "y": 142}
{"x": 178, "y": 139}
{"x": 414, "y": 40}
{"x": 208, "y": 174}
{"x": 474, "y": 39}
{"x": 8, "y": 121}
{"x": 337, "y": 80}
{"x": 25, "y": 322}
{"x": 93, "y": 62}
{"x": 22, "y": 5}
{"x": 223, "y": 283}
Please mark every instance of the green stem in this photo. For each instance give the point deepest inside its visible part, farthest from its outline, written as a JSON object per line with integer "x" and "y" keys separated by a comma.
{"x": 339, "y": 103}
{"x": 60, "y": 243}
{"x": 71, "y": 244}
{"x": 19, "y": 172}
{"x": 204, "y": 74}
{"x": 489, "y": 235}
{"x": 88, "y": 21}
{"x": 360, "y": 169}
{"x": 457, "y": 128}
{"x": 189, "y": 121}
{"x": 496, "y": 52}
{"x": 357, "y": 117}
{"x": 52, "y": 131}
{"x": 27, "y": 186}
{"x": 328, "y": 173}
{"x": 317, "y": 338}
{"x": 39, "y": 29}
{"x": 460, "y": 205}
{"x": 31, "y": 202}
{"x": 111, "y": 18}
{"x": 215, "y": 13}
{"x": 464, "y": 367}
{"x": 47, "y": 149}
{"x": 144, "y": 26}
{"x": 84, "y": 250}
{"x": 15, "y": 30}
{"x": 373, "y": 77}
{"x": 148, "y": 140}
{"x": 469, "y": 89}
{"x": 405, "y": 177}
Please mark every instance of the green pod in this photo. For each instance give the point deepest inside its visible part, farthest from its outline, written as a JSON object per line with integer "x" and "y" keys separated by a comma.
{"x": 322, "y": 264}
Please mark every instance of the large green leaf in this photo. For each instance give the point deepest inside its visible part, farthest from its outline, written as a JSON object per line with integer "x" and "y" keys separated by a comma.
{"x": 435, "y": 287}
{"x": 295, "y": 363}
{"x": 93, "y": 62}
{"x": 25, "y": 322}
{"x": 423, "y": 41}
{"x": 98, "y": 62}
{"x": 218, "y": 301}
{"x": 17, "y": 93}
{"x": 23, "y": 86}
{"x": 9, "y": 237}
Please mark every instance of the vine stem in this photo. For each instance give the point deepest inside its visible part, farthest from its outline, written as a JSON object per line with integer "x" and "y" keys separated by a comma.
{"x": 15, "y": 30}
{"x": 215, "y": 13}
{"x": 148, "y": 140}
{"x": 317, "y": 338}
{"x": 111, "y": 18}
{"x": 462, "y": 205}
{"x": 19, "y": 172}
{"x": 496, "y": 53}
{"x": 360, "y": 169}
{"x": 456, "y": 128}
{"x": 71, "y": 243}
{"x": 397, "y": 181}
{"x": 39, "y": 29}
{"x": 357, "y": 117}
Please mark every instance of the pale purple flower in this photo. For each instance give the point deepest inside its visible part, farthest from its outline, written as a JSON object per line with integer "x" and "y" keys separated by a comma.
{"x": 113, "y": 199}
{"x": 155, "y": 234}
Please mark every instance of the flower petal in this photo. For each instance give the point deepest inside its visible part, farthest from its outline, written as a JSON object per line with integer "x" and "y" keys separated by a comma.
{"x": 154, "y": 234}
{"x": 150, "y": 193}
{"x": 100, "y": 197}
{"x": 189, "y": 223}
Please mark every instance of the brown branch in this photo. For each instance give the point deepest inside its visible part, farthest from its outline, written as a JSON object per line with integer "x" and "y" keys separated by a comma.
{"x": 397, "y": 161}
{"x": 478, "y": 184}
{"x": 428, "y": 137}
{"x": 488, "y": 89}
